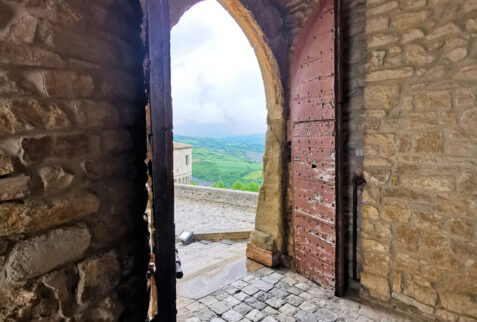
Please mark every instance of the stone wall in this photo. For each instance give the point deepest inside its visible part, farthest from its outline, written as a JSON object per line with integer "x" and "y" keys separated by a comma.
{"x": 419, "y": 221}
{"x": 72, "y": 144}
{"x": 233, "y": 197}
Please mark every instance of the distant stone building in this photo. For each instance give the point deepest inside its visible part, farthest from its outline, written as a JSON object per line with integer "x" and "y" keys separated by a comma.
{"x": 182, "y": 163}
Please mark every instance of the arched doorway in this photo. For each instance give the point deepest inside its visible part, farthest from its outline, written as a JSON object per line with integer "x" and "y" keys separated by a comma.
{"x": 267, "y": 238}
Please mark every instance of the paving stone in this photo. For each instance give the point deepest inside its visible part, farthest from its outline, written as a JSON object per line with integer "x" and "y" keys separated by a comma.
{"x": 255, "y": 315}
{"x": 245, "y": 320}
{"x": 239, "y": 284}
{"x": 227, "y": 242}
{"x": 288, "y": 309}
{"x": 231, "y": 301}
{"x": 193, "y": 319}
{"x": 217, "y": 320}
{"x": 269, "y": 311}
{"x": 306, "y": 296}
{"x": 285, "y": 318}
{"x": 275, "y": 302}
{"x": 269, "y": 319}
{"x": 219, "y": 307}
{"x": 262, "y": 285}
{"x": 206, "y": 314}
{"x": 283, "y": 286}
{"x": 262, "y": 296}
{"x": 231, "y": 290}
{"x": 232, "y": 316}
{"x": 276, "y": 275}
{"x": 302, "y": 286}
{"x": 250, "y": 290}
{"x": 196, "y": 306}
{"x": 325, "y": 315}
{"x": 256, "y": 304}
{"x": 317, "y": 291}
{"x": 250, "y": 278}
{"x": 266, "y": 271}
{"x": 304, "y": 316}
{"x": 220, "y": 295}
{"x": 290, "y": 281}
{"x": 294, "y": 290}
{"x": 208, "y": 300}
{"x": 206, "y": 242}
{"x": 270, "y": 279}
{"x": 243, "y": 308}
{"x": 308, "y": 306}
{"x": 294, "y": 300}
{"x": 241, "y": 296}
{"x": 281, "y": 294}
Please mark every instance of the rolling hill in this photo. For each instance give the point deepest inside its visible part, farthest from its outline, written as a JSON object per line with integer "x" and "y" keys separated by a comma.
{"x": 226, "y": 160}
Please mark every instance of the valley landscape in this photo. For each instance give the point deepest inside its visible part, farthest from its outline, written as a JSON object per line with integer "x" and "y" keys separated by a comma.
{"x": 231, "y": 162}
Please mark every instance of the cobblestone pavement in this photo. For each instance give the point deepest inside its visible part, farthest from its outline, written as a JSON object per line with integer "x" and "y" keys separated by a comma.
{"x": 205, "y": 216}
{"x": 269, "y": 295}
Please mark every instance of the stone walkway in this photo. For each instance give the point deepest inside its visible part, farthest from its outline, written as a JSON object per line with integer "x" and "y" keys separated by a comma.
{"x": 261, "y": 294}
{"x": 205, "y": 216}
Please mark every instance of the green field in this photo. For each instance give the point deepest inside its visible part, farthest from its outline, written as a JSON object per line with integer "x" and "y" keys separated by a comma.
{"x": 224, "y": 160}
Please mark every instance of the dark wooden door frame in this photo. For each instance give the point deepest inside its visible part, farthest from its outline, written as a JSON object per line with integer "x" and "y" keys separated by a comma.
{"x": 162, "y": 158}
{"x": 340, "y": 262}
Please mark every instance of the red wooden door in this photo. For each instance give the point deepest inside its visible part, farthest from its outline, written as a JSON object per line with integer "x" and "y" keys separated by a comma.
{"x": 314, "y": 154}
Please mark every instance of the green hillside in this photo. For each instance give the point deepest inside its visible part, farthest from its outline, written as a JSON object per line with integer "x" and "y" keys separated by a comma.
{"x": 225, "y": 160}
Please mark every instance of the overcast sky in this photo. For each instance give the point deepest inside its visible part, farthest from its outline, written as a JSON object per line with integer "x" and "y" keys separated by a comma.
{"x": 217, "y": 87}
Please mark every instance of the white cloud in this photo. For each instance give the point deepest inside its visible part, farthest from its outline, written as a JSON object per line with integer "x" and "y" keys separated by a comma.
{"x": 217, "y": 86}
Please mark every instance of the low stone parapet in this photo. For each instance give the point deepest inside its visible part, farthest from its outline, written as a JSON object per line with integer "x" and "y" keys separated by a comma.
{"x": 234, "y": 197}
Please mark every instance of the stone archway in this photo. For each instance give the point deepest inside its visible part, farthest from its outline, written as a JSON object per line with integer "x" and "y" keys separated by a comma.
{"x": 262, "y": 22}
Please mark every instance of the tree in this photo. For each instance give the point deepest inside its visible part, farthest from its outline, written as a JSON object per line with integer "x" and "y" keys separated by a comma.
{"x": 220, "y": 184}
{"x": 237, "y": 185}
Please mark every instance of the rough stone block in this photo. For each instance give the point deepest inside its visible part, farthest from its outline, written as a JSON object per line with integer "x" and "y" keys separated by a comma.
{"x": 14, "y": 187}
{"x": 98, "y": 276}
{"x": 377, "y": 24}
{"x": 389, "y": 74}
{"x": 377, "y": 286}
{"x": 377, "y": 264}
{"x": 418, "y": 55}
{"x": 421, "y": 293}
{"x": 54, "y": 83}
{"x": 27, "y": 115}
{"x": 436, "y": 183}
{"x": 410, "y": 19}
{"x": 29, "y": 55}
{"x": 459, "y": 303}
{"x": 381, "y": 9}
{"x": 381, "y": 40}
{"x": 427, "y": 220}
{"x": 434, "y": 100}
{"x": 6, "y": 165}
{"x": 381, "y": 97}
{"x": 41, "y": 254}
{"x": 397, "y": 212}
{"x": 459, "y": 227}
{"x": 55, "y": 177}
{"x": 22, "y": 29}
{"x": 21, "y": 218}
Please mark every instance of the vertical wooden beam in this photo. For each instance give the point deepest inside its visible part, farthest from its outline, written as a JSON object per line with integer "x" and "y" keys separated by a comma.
{"x": 340, "y": 283}
{"x": 162, "y": 176}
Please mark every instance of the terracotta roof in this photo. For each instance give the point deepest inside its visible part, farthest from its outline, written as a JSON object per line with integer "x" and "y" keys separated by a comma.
{"x": 180, "y": 146}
